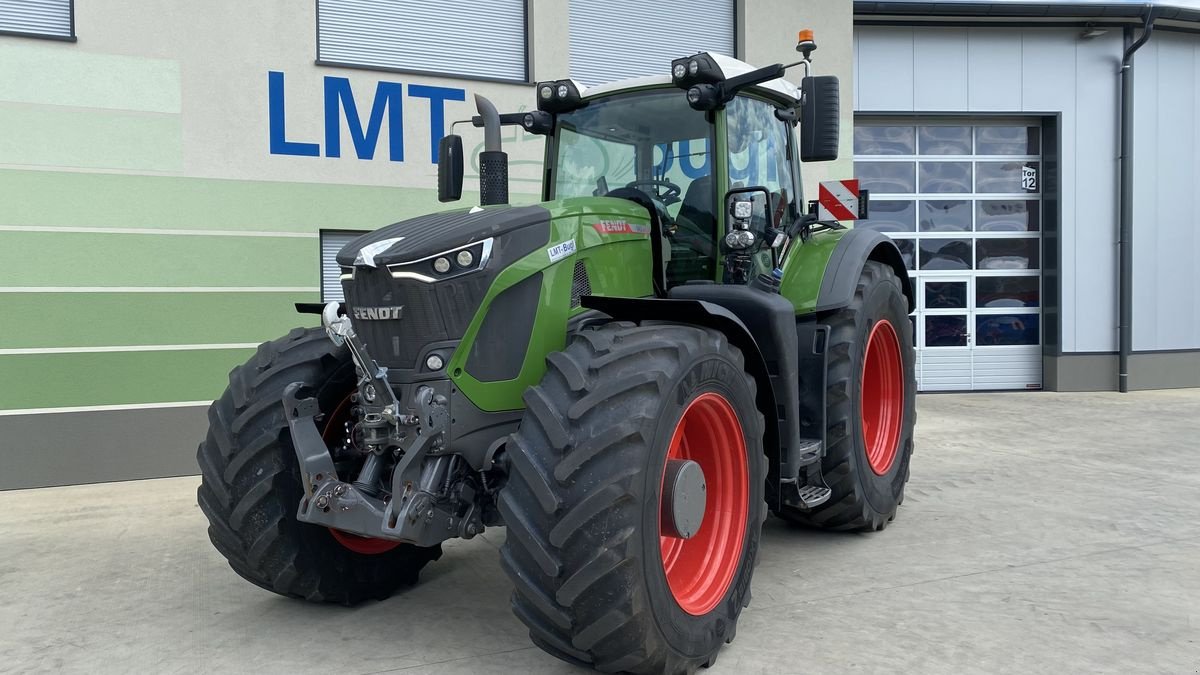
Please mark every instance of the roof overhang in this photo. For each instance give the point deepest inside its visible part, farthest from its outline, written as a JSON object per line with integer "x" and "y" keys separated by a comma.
{"x": 1179, "y": 14}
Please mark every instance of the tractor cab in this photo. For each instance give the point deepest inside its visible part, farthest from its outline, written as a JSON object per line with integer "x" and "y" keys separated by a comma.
{"x": 710, "y": 150}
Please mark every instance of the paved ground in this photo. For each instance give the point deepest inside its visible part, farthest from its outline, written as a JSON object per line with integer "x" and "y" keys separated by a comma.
{"x": 1042, "y": 532}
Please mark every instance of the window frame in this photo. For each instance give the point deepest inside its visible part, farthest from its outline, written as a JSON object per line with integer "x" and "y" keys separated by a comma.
{"x": 526, "y": 53}
{"x": 48, "y": 36}
{"x": 793, "y": 156}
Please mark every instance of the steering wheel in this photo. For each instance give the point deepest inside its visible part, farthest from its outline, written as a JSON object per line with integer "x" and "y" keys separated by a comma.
{"x": 669, "y": 193}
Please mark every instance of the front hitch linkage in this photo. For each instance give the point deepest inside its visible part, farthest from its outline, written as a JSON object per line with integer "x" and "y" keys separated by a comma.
{"x": 413, "y": 511}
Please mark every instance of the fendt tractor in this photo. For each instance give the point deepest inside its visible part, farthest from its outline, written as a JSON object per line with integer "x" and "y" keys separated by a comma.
{"x": 627, "y": 375}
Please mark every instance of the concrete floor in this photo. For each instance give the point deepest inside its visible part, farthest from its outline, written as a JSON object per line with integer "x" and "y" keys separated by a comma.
{"x": 1041, "y": 533}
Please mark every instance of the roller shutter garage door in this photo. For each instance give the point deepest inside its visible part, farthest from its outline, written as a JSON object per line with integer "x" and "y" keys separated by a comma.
{"x": 962, "y": 199}
{"x": 451, "y": 37}
{"x": 333, "y": 241}
{"x": 617, "y": 39}
{"x": 37, "y": 17}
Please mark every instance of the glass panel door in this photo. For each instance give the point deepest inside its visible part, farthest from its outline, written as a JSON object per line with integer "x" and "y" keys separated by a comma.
{"x": 945, "y": 323}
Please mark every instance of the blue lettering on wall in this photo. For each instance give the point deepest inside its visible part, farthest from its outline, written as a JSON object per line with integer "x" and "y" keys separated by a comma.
{"x": 279, "y": 143}
{"x": 339, "y": 103}
{"x": 437, "y": 111}
{"x": 388, "y": 96}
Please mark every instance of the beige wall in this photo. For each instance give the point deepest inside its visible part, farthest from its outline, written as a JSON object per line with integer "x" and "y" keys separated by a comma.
{"x": 767, "y": 34}
{"x": 206, "y": 64}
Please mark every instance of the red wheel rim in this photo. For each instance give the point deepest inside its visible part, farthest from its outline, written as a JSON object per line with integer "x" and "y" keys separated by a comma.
{"x": 882, "y": 403}
{"x": 361, "y": 545}
{"x": 700, "y": 570}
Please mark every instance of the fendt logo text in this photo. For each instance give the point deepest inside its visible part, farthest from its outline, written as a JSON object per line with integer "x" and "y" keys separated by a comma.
{"x": 378, "y": 313}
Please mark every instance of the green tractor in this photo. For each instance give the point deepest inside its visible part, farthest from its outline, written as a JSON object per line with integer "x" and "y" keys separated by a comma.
{"x": 627, "y": 375}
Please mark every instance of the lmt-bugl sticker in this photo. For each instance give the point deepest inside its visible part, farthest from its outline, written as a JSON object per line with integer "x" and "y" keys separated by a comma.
{"x": 560, "y": 251}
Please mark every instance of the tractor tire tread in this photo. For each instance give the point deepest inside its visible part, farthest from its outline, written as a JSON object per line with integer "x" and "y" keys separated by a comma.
{"x": 250, "y": 486}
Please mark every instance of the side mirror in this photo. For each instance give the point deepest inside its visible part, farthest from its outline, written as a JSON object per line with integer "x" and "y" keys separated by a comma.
{"x": 819, "y": 118}
{"x": 450, "y": 168}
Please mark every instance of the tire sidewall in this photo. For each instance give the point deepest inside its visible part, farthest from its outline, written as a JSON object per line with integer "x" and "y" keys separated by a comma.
{"x": 883, "y": 301}
{"x": 699, "y": 635}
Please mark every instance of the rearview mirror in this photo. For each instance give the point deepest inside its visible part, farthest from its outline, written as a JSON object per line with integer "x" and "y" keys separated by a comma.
{"x": 450, "y": 168}
{"x": 819, "y": 118}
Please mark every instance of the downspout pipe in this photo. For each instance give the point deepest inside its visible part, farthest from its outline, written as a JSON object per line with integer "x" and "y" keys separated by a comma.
{"x": 1125, "y": 236}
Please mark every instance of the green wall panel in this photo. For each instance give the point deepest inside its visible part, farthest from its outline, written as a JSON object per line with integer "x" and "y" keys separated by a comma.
{"x": 84, "y": 259}
{"x": 65, "y": 199}
{"x": 109, "y": 319}
{"x": 76, "y": 137}
{"x": 73, "y": 77}
{"x": 60, "y": 380}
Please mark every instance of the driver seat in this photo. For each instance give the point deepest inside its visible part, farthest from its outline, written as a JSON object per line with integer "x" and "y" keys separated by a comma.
{"x": 696, "y": 212}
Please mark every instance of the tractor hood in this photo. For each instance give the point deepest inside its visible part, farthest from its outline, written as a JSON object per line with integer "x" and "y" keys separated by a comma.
{"x": 428, "y": 235}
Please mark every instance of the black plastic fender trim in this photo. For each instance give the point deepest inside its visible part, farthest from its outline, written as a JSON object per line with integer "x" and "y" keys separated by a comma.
{"x": 710, "y": 315}
{"x": 316, "y": 307}
{"x": 845, "y": 266}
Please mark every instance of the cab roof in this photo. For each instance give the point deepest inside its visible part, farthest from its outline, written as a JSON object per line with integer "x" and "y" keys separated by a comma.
{"x": 778, "y": 88}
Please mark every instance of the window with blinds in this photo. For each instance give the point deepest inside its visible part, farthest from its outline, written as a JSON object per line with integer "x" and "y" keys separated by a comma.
{"x": 42, "y": 18}
{"x": 452, "y": 37}
{"x": 333, "y": 241}
{"x": 617, "y": 39}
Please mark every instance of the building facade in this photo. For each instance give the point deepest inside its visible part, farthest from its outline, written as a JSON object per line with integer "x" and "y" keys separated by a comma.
{"x": 990, "y": 136}
{"x": 170, "y": 177}
{"x": 167, "y": 171}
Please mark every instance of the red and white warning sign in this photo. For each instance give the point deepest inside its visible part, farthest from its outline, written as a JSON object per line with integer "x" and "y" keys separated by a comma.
{"x": 838, "y": 200}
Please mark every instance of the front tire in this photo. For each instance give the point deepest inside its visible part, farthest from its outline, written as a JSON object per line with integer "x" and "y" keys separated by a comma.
{"x": 595, "y": 580}
{"x": 871, "y": 408}
{"x": 251, "y": 485}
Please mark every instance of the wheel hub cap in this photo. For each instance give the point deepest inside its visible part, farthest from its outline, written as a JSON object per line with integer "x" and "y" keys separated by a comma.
{"x": 683, "y": 498}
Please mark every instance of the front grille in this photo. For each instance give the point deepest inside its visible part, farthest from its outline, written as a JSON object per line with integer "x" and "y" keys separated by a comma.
{"x": 430, "y": 312}
{"x": 581, "y": 285}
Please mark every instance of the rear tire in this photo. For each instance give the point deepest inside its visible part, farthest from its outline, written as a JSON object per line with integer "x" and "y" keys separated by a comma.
{"x": 582, "y": 502}
{"x": 863, "y": 465}
{"x": 251, "y": 487}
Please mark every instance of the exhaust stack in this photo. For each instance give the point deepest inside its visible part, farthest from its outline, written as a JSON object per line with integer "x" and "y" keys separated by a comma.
{"x": 493, "y": 162}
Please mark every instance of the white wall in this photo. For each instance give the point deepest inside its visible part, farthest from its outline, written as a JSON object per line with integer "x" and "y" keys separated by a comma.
{"x": 1031, "y": 72}
{"x": 1166, "y": 241}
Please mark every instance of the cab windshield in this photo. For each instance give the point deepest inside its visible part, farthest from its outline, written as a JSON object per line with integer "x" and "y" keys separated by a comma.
{"x": 652, "y": 142}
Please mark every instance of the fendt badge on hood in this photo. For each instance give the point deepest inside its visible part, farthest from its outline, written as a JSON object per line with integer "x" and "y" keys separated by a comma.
{"x": 378, "y": 313}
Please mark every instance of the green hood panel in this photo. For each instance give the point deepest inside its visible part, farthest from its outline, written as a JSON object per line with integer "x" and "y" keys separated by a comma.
{"x": 611, "y": 237}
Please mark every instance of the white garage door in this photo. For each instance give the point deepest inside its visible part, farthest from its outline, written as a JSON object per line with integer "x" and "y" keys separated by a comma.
{"x": 962, "y": 199}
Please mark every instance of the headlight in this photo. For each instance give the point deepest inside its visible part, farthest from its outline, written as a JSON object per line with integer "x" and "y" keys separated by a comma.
{"x": 697, "y": 69}
{"x": 438, "y": 267}
{"x": 559, "y": 96}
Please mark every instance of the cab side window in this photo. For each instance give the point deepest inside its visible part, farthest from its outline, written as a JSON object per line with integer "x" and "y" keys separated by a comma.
{"x": 760, "y": 155}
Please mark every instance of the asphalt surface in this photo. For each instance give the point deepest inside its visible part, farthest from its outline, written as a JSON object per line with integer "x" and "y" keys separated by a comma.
{"x": 1042, "y": 532}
